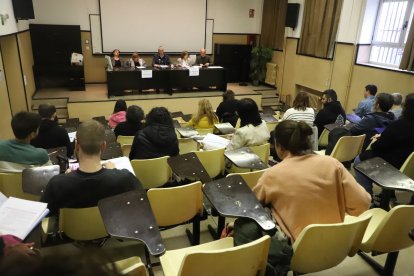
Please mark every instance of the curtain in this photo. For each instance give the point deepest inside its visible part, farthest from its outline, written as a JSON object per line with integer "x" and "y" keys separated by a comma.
{"x": 273, "y": 24}
{"x": 407, "y": 60}
{"x": 319, "y": 27}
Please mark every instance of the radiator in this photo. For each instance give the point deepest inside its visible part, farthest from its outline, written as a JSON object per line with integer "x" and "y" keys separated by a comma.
{"x": 271, "y": 73}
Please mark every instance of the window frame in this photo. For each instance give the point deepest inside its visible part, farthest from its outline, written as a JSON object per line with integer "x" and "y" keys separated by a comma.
{"x": 399, "y": 46}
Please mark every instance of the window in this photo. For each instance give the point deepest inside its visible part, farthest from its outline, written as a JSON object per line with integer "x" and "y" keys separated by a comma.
{"x": 391, "y": 31}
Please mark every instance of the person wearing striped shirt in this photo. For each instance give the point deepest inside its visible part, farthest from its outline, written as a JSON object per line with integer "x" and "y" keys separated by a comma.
{"x": 301, "y": 110}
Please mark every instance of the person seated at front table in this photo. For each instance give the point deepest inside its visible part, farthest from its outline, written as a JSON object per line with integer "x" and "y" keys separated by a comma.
{"x": 136, "y": 61}
{"x": 160, "y": 58}
{"x": 253, "y": 130}
{"x": 303, "y": 189}
{"x": 203, "y": 59}
{"x": 119, "y": 114}
{"x": 93, "y": 181}
{"x": 115, "y": 59}
{"x": 184, "y": 60}
{"x": 17, "y": 154}
{"x": 301, "y": 110}
{"x": 157, "y": 138}
{"x": 205, "y": 116}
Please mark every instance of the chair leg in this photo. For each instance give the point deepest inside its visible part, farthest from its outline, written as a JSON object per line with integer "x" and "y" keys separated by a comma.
{"x": 387, "y": 269}
{"x": 220, "y": 226}
{"x": 194, "y": 237}
{"x": 148, "y": 262}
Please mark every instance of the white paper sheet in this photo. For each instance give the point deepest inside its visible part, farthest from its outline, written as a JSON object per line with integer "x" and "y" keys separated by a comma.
{"x": 72, "y": 136}
{"x": 18, "y": 217}
{"x": 212, "y": 141}
{"x": 146, "y": 74}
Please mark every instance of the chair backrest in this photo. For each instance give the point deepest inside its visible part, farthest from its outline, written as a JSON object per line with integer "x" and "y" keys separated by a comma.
{"x": 132, "y": 266}
{"x": 82, "y": 224}
{"x": 314, "y": 138}
{"x": 391, "y": 234}
{"x": 251, "y": 178}
{"x": 126, "y": 149}
{"x": 408, "y": 167}
{"x": 263, "y": 151}
{"x": 244, "y": 260}
{"x": 176, "y": 205}
{"x": 187, "y": 145}
{"x": 204, "y": 131}
{"x": 212, "y": 160}
{"x": 322, "y": 246}
{"x": 125, "y": 140}
{"x": 11, "y": 185}
{"x": 271, "y": 125}
{"x": 323, "y": 138}
{"x": 348, "y": 147}
{"x": 152, "y": 172}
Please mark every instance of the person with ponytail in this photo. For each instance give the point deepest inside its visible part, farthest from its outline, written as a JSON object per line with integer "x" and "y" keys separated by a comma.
{"x": 306, "y": 188}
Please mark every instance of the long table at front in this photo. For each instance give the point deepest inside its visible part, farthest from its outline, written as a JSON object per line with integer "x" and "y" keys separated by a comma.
{"x": 124, "y": 81}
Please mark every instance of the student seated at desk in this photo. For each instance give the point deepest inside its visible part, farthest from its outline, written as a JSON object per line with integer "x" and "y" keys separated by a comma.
{"x": 17, "y": 154}
{"x": 393, "y": 145}
{"x": 133, "y": 123}
{"x": 301, "y": 110}
{"x": 92, "y": 181}
{"x": 157, "y": 138}
{"x": 205, "y": 116}
{"x": 253, "y": 130}
{"x": 302, "y": 189}
{"x": 227, "y": 109}
{"x": 118, "y": 116}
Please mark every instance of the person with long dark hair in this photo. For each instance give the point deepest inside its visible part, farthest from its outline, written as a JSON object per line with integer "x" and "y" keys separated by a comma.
{"x": 119, "y": 114}
{"x": 253, "y": 130}
{"x": 157, "y": 138}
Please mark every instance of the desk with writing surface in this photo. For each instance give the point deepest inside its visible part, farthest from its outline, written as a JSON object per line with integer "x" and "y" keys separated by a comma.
{"x": 386, "y": 176}
{"x": 123, "y": 81}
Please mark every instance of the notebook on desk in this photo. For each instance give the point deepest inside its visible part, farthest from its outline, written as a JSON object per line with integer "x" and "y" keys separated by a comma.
{"x": 18, "y": 217}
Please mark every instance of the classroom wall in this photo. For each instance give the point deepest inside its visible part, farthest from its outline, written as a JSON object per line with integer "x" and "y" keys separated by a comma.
{"x": 26, "y": 60}
{"x": 5, "y": 118}
{"x": 9, "y": 25}
{"x": 296, "y": 72}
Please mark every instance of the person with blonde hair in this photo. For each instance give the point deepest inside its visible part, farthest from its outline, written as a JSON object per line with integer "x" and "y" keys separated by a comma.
{"x": 205, "y": 116}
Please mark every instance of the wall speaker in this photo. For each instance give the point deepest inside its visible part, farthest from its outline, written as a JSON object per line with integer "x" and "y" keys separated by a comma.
{"x": 292, "y": 14}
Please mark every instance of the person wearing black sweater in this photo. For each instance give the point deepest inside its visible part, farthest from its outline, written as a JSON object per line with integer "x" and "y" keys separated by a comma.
{"x": 133, "y": 123}
{"x": 226, "y": 111}
{"x": 332, "y": 111}
{"x": 157, "y": 138}
{"x": 51, "y": 135}
{"x": 394, "y": 145}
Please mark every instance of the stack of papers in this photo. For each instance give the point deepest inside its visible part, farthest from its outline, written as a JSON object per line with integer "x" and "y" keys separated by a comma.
{"x": 212, "y": 141}
{"x": 18, "y": 217}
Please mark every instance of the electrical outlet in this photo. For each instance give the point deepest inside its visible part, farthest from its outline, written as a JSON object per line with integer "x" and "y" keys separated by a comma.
{"x": 86, "y": 41}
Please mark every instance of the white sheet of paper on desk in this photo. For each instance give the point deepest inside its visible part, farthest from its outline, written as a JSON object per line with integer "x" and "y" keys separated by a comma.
{"x": 121, "y": 163}
{"x": 215, "y": 67}
{"x": 194, "y": 71}
{"x": 146, "y": 74}
{"x": 212, "y": 141}
{"x": 72, "y": 136}
{"x": 18, "y": 217}
{"x": 141, "y": 67}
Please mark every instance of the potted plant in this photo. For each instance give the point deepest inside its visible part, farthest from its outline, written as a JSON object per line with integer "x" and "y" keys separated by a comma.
{"x": 259, "y": 57}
